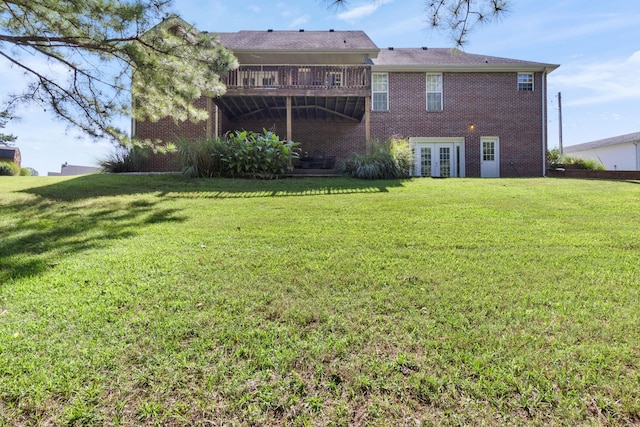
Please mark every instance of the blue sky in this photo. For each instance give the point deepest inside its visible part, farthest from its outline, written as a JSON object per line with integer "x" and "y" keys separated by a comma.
{"x": 597, "y": 44}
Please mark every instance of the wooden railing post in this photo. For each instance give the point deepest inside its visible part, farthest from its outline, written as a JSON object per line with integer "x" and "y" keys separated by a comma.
{"x": 299, "y": 76}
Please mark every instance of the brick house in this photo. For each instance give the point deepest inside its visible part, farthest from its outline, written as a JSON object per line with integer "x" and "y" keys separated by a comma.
{"x": 10, "y": 154}
{"x": 335, "y": 92}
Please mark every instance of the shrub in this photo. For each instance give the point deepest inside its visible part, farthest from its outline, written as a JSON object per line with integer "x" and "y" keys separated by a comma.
{"x": 9, "y": 169}
{"x": 554, "y": 158}
{"x": 390, "y": 159}
{"x": 589, "y": 164}
{"x": 25, "y": 172}
{"x": 259, "y": 154}
{"x": 557, "y": 160}
{"x": 124, "y": 159}
{"x": 203, "y": 158}
{"x": 240, "y": 153}
{"x": 402, "y": 153}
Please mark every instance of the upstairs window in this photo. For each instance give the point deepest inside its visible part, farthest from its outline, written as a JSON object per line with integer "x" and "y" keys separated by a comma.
{"x": 525, "y": 82}
{"x": 380, "y": 91}
{"x": 434, "y": 92}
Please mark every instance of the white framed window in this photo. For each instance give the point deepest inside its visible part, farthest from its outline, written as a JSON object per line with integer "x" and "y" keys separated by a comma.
{"x": 335, "y": 78}
{"x": 380, "y": 91}
{"x": 525, "y": 82}
{"x": 434, "y": 92}
{"x": 488, "y": 151}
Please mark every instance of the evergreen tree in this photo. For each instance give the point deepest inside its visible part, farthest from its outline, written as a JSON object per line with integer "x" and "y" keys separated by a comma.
{"x": 5, "y": 139}
{"x": 80, "y": 56}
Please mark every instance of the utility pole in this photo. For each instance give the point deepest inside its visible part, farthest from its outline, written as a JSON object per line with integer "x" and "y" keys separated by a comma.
{"x": 560, "y": 123}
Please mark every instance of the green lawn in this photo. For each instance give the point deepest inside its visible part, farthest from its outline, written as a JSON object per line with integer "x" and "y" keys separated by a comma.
{"x": 151, "y": 300}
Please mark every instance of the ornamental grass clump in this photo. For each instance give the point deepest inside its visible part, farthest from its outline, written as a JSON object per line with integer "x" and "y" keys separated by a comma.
{"x": 124, "y": 159}
{"x": 557, "y": 160}
{"x": 9, "y": 169}
{"x": 389, "y": 159}
{"x": 203, "y": 158}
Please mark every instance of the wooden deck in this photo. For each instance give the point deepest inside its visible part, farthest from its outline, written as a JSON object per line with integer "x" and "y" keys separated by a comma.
{"x": 336, "y": 93}
{"x": 301, "y": 77}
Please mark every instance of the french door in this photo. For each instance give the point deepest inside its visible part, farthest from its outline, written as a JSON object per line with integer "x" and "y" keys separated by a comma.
{"x": 437, "y": 160}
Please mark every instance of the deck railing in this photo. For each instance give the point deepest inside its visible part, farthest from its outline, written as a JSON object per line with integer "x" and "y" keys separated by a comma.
{"x": 299, "y": 77}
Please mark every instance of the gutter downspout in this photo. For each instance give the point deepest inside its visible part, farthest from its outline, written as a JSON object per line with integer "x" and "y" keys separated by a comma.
{"x": 544, "y": 122}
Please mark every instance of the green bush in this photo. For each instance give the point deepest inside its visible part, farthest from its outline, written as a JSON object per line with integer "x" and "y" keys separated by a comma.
{"x": 259, "y": 154}
{"x": 554, "y": 158}
{"x": 203, "y": 158}
{"x": 25, "y": 172}
{"x": 240, "y": 153}
{"x": 124, "y": 159}
{"x": 9, "y": 169}
{"x": 557, "y": 160}
{"x": 390, "y": 159}
{"x": 589, "y": 164}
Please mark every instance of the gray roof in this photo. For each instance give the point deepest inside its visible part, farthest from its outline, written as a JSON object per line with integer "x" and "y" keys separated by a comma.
{"x": 616, "y": 140}
{"x": 8, "y": 152}
{"x": 343, "y": 42}
{"x": 297, "y": 40}
{"x": 447, "y": 57}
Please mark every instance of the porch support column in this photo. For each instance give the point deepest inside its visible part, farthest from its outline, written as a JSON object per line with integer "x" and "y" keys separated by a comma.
{"x": 210, "y": 118}
{"x": 367, "y": 122}
{"x": 289, "y": 133}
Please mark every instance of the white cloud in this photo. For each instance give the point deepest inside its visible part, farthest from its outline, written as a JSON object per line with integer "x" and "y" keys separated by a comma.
{"x": 255, "y": 9}
{"x": 301, "y": 20}
{"x": 362, "y": 11}
{"x": 584, "y": 27}
{"x": 600, "y": 82}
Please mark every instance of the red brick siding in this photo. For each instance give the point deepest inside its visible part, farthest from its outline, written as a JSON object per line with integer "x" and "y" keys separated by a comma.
{"x": 330, "y": 138}
{"x": 489, "y": 101}
{"x": 169, "y": 131}
{"x": 589, "y": 174}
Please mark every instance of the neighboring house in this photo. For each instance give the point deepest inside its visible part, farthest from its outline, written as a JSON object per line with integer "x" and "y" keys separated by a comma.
{"x": 335, "y": 92}
{"x": 618, "y": 153}
{"x": 68, "y": 170}
{"x": 10, "y": 154}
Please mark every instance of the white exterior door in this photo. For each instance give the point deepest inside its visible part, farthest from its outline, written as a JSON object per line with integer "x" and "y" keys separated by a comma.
{"x": 489, "y": 157}
{"x": 438, "y": 157}
{"x": 435, "y": 160}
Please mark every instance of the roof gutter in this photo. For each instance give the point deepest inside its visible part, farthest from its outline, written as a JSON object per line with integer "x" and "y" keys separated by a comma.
{"x": 462, "y": 68}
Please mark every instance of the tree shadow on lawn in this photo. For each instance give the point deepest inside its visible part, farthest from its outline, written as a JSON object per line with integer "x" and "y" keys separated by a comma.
{"x": 175, "y": 186}
{"x": 42, "y": 231}
{"x": 69, "y": 216}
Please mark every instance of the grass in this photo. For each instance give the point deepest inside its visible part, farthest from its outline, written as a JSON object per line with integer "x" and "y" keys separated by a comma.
{"x": 151, "y": 300}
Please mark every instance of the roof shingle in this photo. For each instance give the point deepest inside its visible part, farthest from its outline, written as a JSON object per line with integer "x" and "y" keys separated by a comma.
{"x": 297, "y": 40}
{"x": 442, "y": 57}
